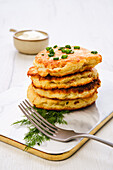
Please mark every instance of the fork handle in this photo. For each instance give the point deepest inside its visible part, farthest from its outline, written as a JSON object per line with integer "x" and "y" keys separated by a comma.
{"x": 84, "y": 135}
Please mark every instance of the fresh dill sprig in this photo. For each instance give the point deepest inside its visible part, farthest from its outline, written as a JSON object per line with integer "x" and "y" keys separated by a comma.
{"x": 22, "y": 122}
{"x": 34, "y": 136}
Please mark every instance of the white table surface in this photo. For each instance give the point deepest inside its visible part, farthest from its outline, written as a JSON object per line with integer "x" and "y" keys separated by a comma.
{"x": 86, "y": 23}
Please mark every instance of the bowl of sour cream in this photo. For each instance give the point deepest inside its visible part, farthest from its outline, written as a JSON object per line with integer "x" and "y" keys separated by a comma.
{"x": 30, "y": 41}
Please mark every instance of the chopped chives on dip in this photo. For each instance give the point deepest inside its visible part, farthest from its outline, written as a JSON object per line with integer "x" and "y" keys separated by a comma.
{"x": 42, "y": 54}
{"x": 76, "y": 47}
{"x": 64, "y": 56}
{"x": 55, "y": 46}
{"x": 68, "y": 46}
{"x": 56, "y": 58}
{"x": 94, "y": 52}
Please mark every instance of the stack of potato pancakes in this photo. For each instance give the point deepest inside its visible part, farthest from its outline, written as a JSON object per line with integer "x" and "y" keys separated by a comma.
{"x": 64, "y": 78}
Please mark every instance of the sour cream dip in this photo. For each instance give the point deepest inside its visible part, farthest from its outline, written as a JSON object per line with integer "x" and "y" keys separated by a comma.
{"x": 32, "y": 35}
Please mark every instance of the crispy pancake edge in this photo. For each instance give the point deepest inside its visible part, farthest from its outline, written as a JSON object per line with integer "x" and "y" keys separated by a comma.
{"x": 81, "y": 60}
{"x": 70, "y": 93}
{"x": 51, "y": 104}
{"x": 68, "y": 81}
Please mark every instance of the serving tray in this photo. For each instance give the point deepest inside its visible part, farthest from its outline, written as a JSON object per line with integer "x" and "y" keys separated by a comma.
{"x": 89, "y": 120}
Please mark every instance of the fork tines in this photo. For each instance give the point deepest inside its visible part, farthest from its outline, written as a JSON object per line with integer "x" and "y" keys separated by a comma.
{"x": 37, "y": 120}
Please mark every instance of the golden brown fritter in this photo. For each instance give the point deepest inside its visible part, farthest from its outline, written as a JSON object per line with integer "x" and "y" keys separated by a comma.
{"x": 70, "y": 93}
{"x": 68, "y": 81}
{"x": 82, "y": 59}
{"x": 52, "y": 104}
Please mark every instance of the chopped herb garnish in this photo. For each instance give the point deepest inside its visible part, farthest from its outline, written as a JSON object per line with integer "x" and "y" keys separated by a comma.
{"x": 64, "y": 56}
{"x": 61, "y": 48}
{"x": 42, "y": 54}
{"x": 50, "y": 55}
{"x": 76, "y": 47}
{"x": 68, "y": 51}
{"x": 68, "y": 46}
{"x": 48, "y": 48}
{"x": 94, "y": 52}
{"x": 56, "y": 58}
{"x": 51, "y": 51}
{"x": 72, "y": 52}
{"x": 34, "y": 136}
{"x": 55, "y": 46}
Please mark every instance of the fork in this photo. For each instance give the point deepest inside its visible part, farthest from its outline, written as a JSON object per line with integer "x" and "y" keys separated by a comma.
{"x": 52, "y": 131}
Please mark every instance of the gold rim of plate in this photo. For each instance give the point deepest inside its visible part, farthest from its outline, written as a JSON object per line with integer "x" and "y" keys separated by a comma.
{"x": 57, "y": 157}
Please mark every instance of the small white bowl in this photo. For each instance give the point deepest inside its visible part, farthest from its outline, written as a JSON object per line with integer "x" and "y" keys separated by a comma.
{"x": 30, "y": 46}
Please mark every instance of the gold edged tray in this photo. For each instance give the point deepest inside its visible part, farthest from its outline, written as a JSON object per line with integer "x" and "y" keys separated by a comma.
{"x": 56, "y": 157}
{"x": 89, "y": 120}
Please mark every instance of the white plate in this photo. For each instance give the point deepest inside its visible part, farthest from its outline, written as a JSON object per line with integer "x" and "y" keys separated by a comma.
{"x": 82, "y": 121}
